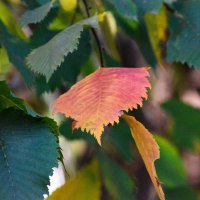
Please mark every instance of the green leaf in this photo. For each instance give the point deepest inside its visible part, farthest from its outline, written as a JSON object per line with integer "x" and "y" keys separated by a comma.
{"x": 46, "y": 59}
{"x": 125, "y": 8}
{"x": 170, "y": 167}
{"x": 184, "y": 42}
{"x": 183, "y": 193}
{"x": 17, "y": 50}
{"x": 118, "y": 183}
{"x": 86, "y": 185}
{"x": 117, "y": 138}
{"x": 9, "y": 20}
{"x": 7, "y": 100}
{"x": 146, "y": 6}
{"x": 36, "y": 15}
{"x": 69, "y": 70}
{"x": 4, "y": 61}
{"x": 28, "y": 152}
{"x": 186, "y": 124}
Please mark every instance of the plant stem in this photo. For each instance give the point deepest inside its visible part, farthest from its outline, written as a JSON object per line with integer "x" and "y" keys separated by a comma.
{"x": 87, "y": 8}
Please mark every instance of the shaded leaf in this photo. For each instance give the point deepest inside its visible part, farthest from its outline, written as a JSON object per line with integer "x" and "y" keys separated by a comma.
{"x": 183, "y": 193}
{"x": 46, "y": 59}
{"x": 117, "y": 138}
{"x": 97, "y": 100}
{"x": 126, "y": 8}
{"x": 145, "y": 6}
{"x": 118, "y": 183}
{"x": 148, "y": 149}
{"x": 170, "y": 167}
{"x": 183, "y": 44}
{"x": 186, "y": 124}
{"x": 7, "y": 99}
{"x": 86, "y": 185}
{"x": 17, "y": 50}
{"x": 28, "y": 152}
{"x": 36, "y": 15}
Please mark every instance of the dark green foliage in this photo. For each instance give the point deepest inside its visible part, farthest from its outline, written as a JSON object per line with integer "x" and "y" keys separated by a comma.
{"x": 183, "y": 44}
{"x": 117, "y": 182}
{"x": 170, "y": 166}
{"x": 185, "y": 124}
{"x": 28, "y": 154}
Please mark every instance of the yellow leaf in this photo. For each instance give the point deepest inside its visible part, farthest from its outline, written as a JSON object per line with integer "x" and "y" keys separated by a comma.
{"x": 148, "y": 149}
{"x": 157, "y": 25}
{"x": 68, "y": 5}
{"x": 86, "y": 185}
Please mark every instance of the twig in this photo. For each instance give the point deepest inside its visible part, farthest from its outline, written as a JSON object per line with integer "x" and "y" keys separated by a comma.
{"x": 87, "y": 8}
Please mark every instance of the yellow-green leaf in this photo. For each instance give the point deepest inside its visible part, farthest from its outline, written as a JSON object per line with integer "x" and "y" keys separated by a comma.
{"x": 86, "y": 185}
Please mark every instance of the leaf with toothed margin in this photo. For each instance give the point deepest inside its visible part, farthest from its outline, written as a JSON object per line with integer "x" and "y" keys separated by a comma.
{"x": 36, "y": 15}
{"x": 28, "y": 152}
{"x": 98, "y": 99}
{"x": 46, "y": 59}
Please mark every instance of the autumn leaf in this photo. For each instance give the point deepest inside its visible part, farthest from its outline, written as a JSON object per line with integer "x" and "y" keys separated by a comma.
{"x": 148, "y": 149}
{"x": 98, "y": 99}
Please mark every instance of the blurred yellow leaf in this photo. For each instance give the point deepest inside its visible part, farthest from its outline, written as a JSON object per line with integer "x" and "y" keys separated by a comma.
{"x": 68, "y": 5}
{"x": 157, "y": 29}
{"x": 9, "y": 21}
{"x": 86, "y": 185}
{"x": 109, "y": 30}
{"x": 4, "y": 61}
{"x": 148, "y": 149}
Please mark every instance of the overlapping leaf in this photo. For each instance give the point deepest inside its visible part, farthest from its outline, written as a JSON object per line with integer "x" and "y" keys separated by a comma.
{"x": 173, "y": 175}
{"x": 28, "y": 152}
{"x": 45, "y": 59}
{"x": 148, "y": 149}
{"x": 184, "y": 42}
{"x": 145, "y": 6}
{"x": 126, "y": 8}
{"x": 97, "y": 100}
{"x": 36, "y": 15}
{"x": 86, "y": 185}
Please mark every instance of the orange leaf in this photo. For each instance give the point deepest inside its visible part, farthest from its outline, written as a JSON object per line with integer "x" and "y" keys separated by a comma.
{"x": 97, "y": 100}
{"x": 148, "y": 149}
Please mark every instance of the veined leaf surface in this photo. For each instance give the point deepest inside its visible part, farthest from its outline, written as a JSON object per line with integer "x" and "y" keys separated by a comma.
{"x": 98, "y": 99}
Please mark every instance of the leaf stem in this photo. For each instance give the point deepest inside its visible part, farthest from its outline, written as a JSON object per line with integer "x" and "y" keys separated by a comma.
{"x": 87, "y": 8}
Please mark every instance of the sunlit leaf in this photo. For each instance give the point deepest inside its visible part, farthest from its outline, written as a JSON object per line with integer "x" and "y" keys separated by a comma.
{"x": 148, "y": 149}
{"x": 8, "y": 19}
{"x": 98, "y": 99}
{"x": 46, "y": 59}
{"x": 157, "y": 30}
{"x": 86, "y": 185}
